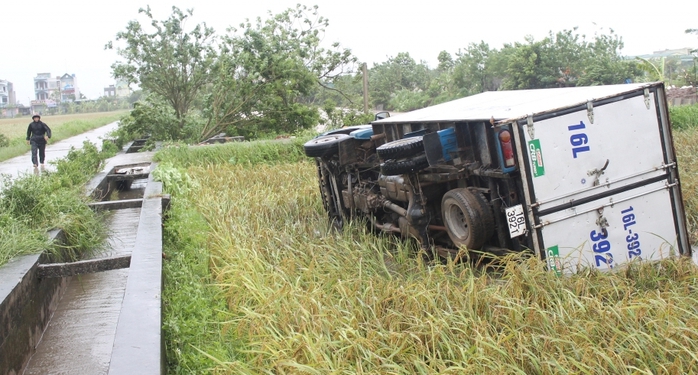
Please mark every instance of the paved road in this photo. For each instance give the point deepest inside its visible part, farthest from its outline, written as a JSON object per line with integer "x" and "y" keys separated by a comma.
{"x": 54, "y": 151}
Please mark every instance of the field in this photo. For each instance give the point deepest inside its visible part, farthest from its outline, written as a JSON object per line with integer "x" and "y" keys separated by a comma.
{"x": 257, "y": 283}
{"x": 62, "y": 127}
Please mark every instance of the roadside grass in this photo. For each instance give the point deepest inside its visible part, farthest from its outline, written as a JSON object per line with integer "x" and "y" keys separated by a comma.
{"x": 686, "y": 145}
{"x": 684, "y": 117}
{"x": 62, "y": 127}
{"x": 32, "y": 205}
{"x": 262, "y": 285}
{"x": 263, "y": 152}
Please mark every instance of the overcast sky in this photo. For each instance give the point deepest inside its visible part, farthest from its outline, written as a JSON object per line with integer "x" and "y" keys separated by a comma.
{"x": 58, "y": 37}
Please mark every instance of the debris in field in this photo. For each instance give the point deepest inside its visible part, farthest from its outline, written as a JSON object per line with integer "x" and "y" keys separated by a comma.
{"x": 221, "y": 138}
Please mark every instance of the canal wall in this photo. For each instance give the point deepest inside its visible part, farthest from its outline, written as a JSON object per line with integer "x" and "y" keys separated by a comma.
{"x": 130, "y": 340}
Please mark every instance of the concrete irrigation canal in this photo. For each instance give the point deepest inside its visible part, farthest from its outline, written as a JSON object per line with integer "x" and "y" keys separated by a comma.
{"x": 100, "y": 315}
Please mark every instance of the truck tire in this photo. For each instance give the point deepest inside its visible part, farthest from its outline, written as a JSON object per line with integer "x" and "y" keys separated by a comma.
{"x": 329, "y": 200}
{"x": 324, "y": 145}
{"x": 468, "y": 218}
{"x": 401, "y": 148}
{"x": 395, "y": 167}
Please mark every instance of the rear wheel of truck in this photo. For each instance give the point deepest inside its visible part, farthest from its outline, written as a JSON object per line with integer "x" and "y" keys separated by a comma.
{"x": 401, "y": 148}
{"x": 324, "y": 145}
{"x": 402, "y": 166}
{"x": 468, "y": 217}
{"x": 331, "y": 203}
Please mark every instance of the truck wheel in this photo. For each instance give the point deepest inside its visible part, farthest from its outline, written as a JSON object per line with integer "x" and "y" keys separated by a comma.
{"x": 324, "y": 145}
{"x": 401, "y": 148}
{"x": 329, "y": 202}
{"x": 401, "y": 166}
{"x": 468, "y": 217}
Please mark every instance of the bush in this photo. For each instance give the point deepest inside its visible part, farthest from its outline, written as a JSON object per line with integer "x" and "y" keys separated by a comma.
{"x": 4, "y": 142}
{"x": 684, "y": 117}
{"x": 156, "y": 120}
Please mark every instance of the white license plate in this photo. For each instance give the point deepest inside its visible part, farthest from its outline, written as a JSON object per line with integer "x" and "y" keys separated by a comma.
{"x": 516, "y": 221}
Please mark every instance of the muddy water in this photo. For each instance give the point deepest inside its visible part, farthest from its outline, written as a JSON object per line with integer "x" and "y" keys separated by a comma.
{"x": 80, "y": 336}
{"x": 136, "y": 191}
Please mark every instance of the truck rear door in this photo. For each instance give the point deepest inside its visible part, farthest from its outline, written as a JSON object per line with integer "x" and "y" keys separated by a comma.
{"x": 601, "y": 182}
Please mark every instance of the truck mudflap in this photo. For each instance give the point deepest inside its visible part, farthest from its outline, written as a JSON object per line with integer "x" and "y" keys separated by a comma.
{"x": 601, "y": 182}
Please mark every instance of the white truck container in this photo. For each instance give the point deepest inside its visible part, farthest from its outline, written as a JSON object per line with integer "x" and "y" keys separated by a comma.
{"x": 583, "y": 177}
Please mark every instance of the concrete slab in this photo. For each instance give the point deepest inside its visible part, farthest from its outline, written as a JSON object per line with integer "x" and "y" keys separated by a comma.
{"x": 26, "y": 307}
{"x": 80, "y": 335}
{"x": 138, "y": 345}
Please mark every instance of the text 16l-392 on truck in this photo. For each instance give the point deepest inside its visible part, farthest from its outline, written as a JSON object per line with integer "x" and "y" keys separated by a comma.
{"x": 583, "y": 176}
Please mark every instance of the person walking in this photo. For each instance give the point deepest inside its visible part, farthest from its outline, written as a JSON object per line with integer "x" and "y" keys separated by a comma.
{"x": 38, "y": 134}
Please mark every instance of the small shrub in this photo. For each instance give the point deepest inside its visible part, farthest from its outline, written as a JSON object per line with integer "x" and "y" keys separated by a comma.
{"x": 4, "y": 142}
{"x": 684, "y": 117}
{"x": 109, "y": 147}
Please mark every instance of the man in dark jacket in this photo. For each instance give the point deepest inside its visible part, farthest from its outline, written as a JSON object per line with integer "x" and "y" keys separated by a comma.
{"x": 38, "y": 134}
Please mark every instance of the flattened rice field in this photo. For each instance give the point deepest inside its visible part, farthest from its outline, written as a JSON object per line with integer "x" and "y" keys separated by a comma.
{"x": 257, "y": 283}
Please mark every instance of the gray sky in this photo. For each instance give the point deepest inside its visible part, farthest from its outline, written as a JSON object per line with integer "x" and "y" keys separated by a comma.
{"x": 57, "y": 37}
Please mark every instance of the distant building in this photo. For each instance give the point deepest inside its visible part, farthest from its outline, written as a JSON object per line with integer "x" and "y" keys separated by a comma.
{"x": 61, "y": 89}
{"x": 46, "y": 87}
{"x": 50, "y": 91}
{"x": 110, "y": 90}
{"x": 69, "y": 88}
{"x": 8, "y": 102}
{"x": 7, "y": 94}
{"x": 120, "y": 90}
{"x": 683, "y": 55}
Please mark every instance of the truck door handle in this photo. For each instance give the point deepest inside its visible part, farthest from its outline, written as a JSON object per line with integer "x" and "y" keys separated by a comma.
{"x": 598, "y": 172}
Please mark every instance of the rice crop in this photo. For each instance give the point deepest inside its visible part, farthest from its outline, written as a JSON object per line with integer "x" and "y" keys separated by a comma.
{"x": 686, "y": 145}
{"x": 274, "y": 290}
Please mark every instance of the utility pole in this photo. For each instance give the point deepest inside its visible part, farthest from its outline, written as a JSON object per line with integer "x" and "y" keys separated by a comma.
{"x": 365, "y": 73}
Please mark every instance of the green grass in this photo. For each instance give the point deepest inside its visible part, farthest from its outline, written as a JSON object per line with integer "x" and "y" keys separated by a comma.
{"x": 684, "y": 117}
{"x": 32, "y": 205}
{"x": 62, "y": 127}
{"x": 686, "y": 145}
{"x": 263, "y": 152}
{"x": 193, "y": 306}
{"x": 262, "y": 285}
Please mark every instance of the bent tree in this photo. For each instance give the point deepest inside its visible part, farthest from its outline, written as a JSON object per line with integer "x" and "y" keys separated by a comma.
{"x": 268, "y": 70}
{"x": 169, "y": 61}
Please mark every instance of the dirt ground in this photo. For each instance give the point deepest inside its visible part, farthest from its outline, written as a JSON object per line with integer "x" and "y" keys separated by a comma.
{"x": 682, "y": 96}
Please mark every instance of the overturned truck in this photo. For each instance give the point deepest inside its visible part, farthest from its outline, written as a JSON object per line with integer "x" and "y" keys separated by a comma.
{"x": 582, "y": 177}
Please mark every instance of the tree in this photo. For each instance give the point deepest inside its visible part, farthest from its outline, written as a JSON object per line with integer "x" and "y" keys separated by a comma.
{"x": 445, "y": 61}
{"x": 473, "y": 72}
{"x": 401, "y": 72}
{"x": 170, "y": 62}
{"x": 566, "y": 59}
{"x": 268, "y": 71}
{"x": 605, "y": 64}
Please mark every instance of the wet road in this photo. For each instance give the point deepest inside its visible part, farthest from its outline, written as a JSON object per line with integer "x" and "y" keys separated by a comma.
{"x": 22, "y": 164}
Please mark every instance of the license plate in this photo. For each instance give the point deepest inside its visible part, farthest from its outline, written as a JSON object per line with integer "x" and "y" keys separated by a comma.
{"x": 516, "y": 221}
